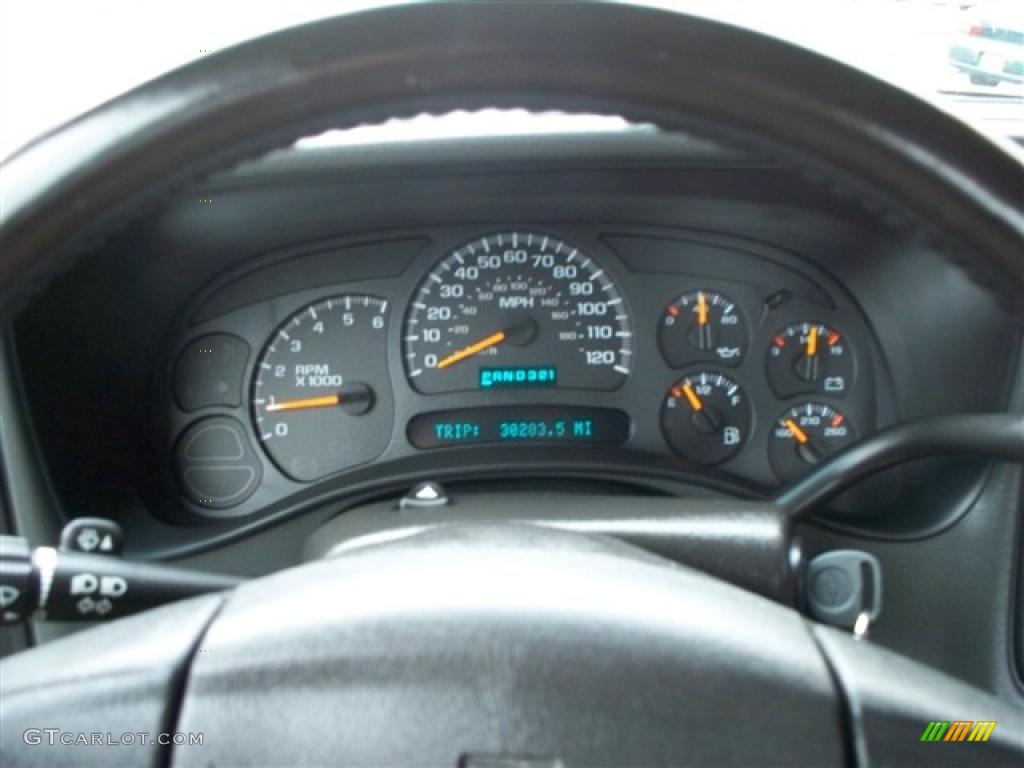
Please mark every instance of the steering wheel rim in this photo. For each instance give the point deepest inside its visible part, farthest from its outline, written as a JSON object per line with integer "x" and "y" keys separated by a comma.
{"x": 649, "y": 65}
{"x": 865, "y": 138}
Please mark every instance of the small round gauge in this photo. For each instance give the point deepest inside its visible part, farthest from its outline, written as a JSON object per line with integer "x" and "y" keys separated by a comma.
{"x": 702, "y": 326}
{"x": 321, "y": 396}
{"x": 804, "y": 436}
{"x": 517, "y": 309}
{"x": 809, "y": 358}
{"x": 705, "y": 418}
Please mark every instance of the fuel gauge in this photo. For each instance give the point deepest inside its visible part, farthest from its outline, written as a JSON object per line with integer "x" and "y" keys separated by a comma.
{"x": 702, "y": 325}
{"x": 705, "y": 417}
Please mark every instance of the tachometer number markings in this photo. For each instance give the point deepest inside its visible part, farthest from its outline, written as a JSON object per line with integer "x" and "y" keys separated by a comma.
{"x": 321, "y": 395}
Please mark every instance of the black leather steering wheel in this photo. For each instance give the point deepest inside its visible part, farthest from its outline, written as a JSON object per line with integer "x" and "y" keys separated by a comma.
{"x": 478, "y": 644}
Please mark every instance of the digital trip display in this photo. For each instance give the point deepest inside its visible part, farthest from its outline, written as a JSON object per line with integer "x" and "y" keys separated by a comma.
{"x": 527, "y": 424}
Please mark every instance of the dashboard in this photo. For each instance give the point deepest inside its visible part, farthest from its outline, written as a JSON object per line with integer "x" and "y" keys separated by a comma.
{"x": 652, "y": 317}
{"x": 323, "y": 328}
{"x": 702, "y": 354}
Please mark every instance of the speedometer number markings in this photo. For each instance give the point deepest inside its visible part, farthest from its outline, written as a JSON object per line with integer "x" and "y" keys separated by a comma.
{"x": 506, "y": 306}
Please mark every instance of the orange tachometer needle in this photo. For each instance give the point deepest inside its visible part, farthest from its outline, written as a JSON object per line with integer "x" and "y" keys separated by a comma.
{"x": 702, "y": 309}
{"x": 309, "y": 402}
{"x": 493, "y": 340}
{"x": 799, "y": 434}
{"x": 695, "y": 402}
{"x": 812, "y": 342}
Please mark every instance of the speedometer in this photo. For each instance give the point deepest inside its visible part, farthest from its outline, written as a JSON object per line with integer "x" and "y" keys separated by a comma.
{"x": 517, "y": 309}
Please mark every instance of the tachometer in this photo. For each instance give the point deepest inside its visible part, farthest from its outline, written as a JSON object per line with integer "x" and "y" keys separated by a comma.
{"x": 517, "y": 309}
{"x": 321, "y": 397}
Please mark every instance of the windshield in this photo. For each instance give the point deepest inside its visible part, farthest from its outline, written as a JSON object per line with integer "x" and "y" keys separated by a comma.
{"x": 59, "y": 58}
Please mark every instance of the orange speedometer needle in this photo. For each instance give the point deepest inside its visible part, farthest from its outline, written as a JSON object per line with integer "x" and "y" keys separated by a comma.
{"x": 491, "y": 341}
{"x": 307, "y": 402}
{"x": 799, "y": 434}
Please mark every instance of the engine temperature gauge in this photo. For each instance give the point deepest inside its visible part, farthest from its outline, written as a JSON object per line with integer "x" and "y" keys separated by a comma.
{"x": 809, "y": 358}
{"x": 702, "y": 325}
{"x": 804, "y": 436}
{"x": 705, "y": 417}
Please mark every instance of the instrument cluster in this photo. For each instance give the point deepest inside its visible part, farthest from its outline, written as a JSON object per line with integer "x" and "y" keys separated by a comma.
{"x": 689, "y": 354}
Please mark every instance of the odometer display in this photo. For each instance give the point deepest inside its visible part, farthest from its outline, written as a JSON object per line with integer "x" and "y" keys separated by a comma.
{"x": 517, "y": 302}
{"x": 523, "y": 424}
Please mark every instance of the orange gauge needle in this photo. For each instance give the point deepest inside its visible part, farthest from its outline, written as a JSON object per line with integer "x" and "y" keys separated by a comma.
{"x": 812, "y": 342}
{"x": 799, "y": 434}
{"x": 493, "y": 340}
{"x": 309, "y": 402}
{"x": 702, "y": 309}
{"x": 695, "y": 402}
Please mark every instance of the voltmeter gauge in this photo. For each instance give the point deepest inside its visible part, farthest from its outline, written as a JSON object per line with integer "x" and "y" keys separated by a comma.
{"x": 810, "y": 358}
{"x": 804, "y": 436}
{"x": 702, "y": 325}
{"x": 705, "y": 417}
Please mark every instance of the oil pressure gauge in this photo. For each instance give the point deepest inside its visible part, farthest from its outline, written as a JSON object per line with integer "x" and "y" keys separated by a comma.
{"x": 810, "y": 358}
{"x": 705, "y": 418}
{"x": 702, "y": 325}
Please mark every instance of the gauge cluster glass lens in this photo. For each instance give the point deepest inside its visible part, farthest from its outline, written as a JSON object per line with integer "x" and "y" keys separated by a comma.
{"x": 703, "y": 326}
{"x": 321, "y": 396}
{"x": 517, "y": 310}
{"x": 583, "y": 348}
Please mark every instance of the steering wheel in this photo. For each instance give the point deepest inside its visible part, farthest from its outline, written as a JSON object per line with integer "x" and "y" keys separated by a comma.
{"x": 499, "y": 645}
